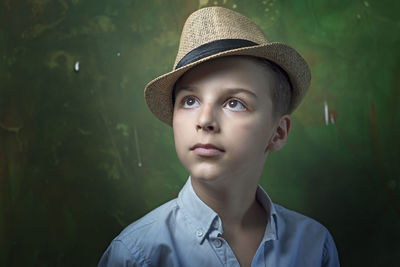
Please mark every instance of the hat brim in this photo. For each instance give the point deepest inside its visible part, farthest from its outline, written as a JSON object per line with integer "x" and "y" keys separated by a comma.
{"x": 158, "y": 92}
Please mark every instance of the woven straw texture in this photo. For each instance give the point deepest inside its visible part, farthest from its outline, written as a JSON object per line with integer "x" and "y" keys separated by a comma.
{"x": 217, "y": 23}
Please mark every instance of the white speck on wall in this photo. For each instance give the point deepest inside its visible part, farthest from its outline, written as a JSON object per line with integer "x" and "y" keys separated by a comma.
{"x": 332, "y": 119}
{"x": 137, "y": 148}
{"x": 76, "y": 66}
{"x": 326, "y": 113}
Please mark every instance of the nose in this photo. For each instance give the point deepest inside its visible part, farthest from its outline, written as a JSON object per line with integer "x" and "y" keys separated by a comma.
{"x": 207, "y": 119}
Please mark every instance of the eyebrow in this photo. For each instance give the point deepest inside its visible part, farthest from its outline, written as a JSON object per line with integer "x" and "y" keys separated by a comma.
{"x": 228, "y": 90}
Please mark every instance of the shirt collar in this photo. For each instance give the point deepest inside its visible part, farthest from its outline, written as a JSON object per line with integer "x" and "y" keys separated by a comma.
{"x": 200, "y": 216}
{"x": 203, "y": 219}
{"x": 271, "y": 231}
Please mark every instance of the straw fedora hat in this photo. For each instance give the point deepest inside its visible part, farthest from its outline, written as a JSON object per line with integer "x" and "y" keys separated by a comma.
{"x": 214, "y": 32}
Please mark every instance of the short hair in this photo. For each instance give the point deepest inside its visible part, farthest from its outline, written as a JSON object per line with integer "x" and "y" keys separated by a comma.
{"x": 281, "y": 91}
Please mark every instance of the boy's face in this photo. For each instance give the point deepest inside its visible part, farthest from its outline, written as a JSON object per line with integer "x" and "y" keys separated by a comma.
{"x": 225, "y": 102}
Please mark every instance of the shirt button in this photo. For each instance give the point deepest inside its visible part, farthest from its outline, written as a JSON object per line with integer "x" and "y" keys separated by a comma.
{"x": 199, "y": 232}
{"x": 217, "y": 243}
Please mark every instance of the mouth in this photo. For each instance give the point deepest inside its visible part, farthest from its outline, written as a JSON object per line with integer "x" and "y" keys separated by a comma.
{"x": 206, "y": 146}
{"x": 206, "y": 150}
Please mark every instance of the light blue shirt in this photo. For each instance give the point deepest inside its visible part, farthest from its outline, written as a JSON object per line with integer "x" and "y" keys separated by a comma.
{"x": 184, "y": 232}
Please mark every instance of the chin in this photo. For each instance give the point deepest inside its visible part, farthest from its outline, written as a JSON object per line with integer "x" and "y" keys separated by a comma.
{"x": 204, "y": 172}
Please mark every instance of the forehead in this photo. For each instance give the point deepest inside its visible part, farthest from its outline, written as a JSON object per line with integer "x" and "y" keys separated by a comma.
{"x": 232, "y": 71}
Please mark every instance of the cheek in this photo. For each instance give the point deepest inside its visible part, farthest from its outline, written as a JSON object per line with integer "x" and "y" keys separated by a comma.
{"x": 251, "y": 138}
{"x": 180, "y": 130}
{"x": 178, "y": 136}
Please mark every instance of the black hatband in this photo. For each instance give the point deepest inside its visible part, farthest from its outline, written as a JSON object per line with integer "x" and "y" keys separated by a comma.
{"x": 212, "y": 48}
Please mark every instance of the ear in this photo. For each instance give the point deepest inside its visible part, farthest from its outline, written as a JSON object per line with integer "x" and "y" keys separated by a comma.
{"x": 280, "y": 135}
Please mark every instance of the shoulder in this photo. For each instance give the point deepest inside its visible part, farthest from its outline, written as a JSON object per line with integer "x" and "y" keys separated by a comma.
{"x": 147, "y": 229}
{"x": 292, "y": 220}
{"x": 307, "y": 234}
{"x": 161, "y": 215}
{"x": 136, "y": 242}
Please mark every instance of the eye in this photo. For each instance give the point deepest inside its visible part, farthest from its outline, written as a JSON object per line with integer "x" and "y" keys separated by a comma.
{"x": 190, "y": 102}
{"x": 234, "y": 104}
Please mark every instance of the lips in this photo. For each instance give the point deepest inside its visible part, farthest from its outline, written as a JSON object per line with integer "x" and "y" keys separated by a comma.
{"x": 207, "y": 150}
{"x": 206, "y": 146}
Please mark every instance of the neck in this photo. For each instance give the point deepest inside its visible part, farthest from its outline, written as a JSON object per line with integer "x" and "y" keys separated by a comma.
{"x": 234, "y": 202}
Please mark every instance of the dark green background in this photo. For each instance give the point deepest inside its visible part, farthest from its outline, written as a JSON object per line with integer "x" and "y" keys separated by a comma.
{"x": 69, "y": 174}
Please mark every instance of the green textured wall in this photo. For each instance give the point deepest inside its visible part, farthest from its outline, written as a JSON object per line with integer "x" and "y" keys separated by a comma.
{"x": 81, "y": 156}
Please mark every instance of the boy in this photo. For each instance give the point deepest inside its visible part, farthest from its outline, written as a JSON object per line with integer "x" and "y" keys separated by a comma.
{"x": 228, "y": 101}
